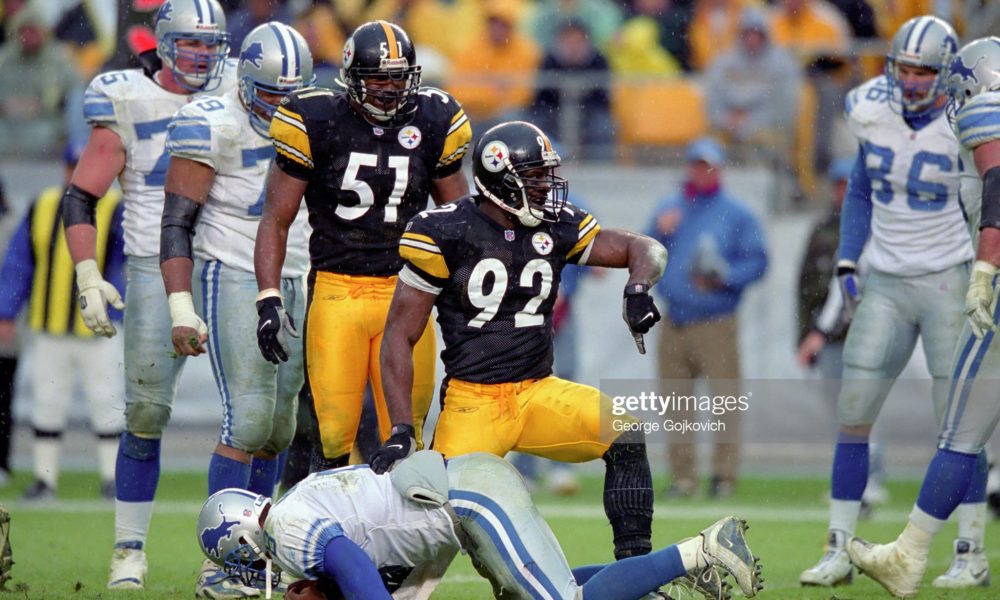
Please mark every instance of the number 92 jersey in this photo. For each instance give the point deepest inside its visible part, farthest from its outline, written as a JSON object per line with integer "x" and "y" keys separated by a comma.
{"x": 364, "y": 181}
{"x": 495, "y": 287}
{"x": 918, "y": 225}
{"x": 138, "y": 110}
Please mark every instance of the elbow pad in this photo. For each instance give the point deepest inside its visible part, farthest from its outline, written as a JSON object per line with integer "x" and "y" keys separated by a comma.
{"x": 991, "y": 199}
{"x": 78, "y": 206}
{"x": 177, "y": 226}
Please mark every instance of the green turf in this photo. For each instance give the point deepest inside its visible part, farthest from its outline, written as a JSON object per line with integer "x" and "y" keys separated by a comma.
{"x": 62, "y": 551}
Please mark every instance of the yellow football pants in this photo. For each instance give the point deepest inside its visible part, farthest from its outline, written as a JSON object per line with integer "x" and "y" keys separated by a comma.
{"x": 550, "y": 417}
{"x": 344, "y": 328}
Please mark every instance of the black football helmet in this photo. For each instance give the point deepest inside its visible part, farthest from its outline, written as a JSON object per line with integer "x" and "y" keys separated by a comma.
{"x": 514, "y": 167}
{"x": 381, "y": 51}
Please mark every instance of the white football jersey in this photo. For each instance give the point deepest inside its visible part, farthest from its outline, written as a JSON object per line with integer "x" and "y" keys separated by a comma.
{"x": 918, "y": 222}
{"x": 217, "y": 132}
{"x": 368, "y": 510}
{"x": 977, "y": 123}
{"x": 137, "y": 109}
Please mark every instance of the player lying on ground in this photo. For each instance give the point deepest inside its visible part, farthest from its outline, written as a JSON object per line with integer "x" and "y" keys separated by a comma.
{"x": 358, "y": 534}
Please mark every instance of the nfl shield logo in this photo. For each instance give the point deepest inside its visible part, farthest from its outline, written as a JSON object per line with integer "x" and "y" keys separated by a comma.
{"x": 508, "y": 235}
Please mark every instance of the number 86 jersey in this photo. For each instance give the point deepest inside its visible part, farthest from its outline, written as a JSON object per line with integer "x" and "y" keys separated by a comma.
{"x": 365, "y": 181}
{"x": 918, "y": 224}
{"x": 495, "y": 287}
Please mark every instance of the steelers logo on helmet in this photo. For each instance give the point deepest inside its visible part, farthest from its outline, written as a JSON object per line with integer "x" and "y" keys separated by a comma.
{"x": 542, "y": 242}
{"x": 494, "y": 157}
{"x": 348, "y": 53}
{"x": 409, "y": 137}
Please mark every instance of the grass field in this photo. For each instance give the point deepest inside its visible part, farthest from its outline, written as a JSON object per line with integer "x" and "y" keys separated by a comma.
{"x": 62, "y": 550}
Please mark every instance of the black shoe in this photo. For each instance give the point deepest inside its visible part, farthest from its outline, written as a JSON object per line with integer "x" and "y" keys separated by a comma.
{"x": 108, "y": 490}
{"x": 39, "y": 492}
{"x": 720, "y": 489}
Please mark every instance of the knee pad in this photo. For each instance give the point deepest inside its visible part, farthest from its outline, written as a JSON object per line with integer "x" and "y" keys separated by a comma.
{"x": 138, "y": 448}
{"x": 147, "y": 418}
{"x": 250, "y": 434}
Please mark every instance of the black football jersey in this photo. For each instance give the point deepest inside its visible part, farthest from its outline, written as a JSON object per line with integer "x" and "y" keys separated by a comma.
{"x": 495, "y": 286}
{"x": 365, "y": 182}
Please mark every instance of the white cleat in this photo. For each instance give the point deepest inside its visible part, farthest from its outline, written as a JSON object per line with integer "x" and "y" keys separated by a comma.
{"x": 969, "y": 568}
{"x": 213, "y": 582}
{"x": 897, "y": 572}
{"x": 834, "y": 568}
{"x": 725, "y": 546}
{"x": 128, "y": 569}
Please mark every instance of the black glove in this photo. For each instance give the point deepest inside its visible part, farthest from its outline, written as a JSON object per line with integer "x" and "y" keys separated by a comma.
{"x": 400, "y": 444}
{"x": 272, "y": 326}
{"x": 639, "y": 310}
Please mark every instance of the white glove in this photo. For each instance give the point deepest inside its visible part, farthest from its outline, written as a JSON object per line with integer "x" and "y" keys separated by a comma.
{"x": 980, "y": 300}
{"x": 95, "y": 295}
{"x": 182, "y": 313}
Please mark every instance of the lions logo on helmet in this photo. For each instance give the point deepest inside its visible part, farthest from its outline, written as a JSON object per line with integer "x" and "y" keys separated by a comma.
{"x": 274, "y": 61}
{"x": 516, "y": 170}
{"x": 381, "y": 74}
{"x": 927, "y": 42}
{"x": 230, "y": 534}
{"x": 201, "y": 21}
{"x": 211, "y": 538}
{"x": 975, "y": 69}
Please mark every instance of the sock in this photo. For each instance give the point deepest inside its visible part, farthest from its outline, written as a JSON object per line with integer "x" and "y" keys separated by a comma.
{"x": 919, "y": 533}
{"x": 46, "y": 453}
{"x": 848, "y": 481}
{"x": 137, "y": 472}
{"x": 971, "y": 513}
{"x": 107, "y": 451}
{"x": 263, "y": 476}
{"x": 691, "y": 554}
{"x": 224, "y": 472}
{"x": 628, "y": 495}
{"x": 946, "y": 482}
{"x": 631, "y": 578}
{"x": 583, "y": 574}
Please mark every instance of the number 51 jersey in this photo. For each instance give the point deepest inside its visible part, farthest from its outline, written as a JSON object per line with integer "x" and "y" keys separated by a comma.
{"x": 495, "y": 287}
{"x": 364, "y": 181}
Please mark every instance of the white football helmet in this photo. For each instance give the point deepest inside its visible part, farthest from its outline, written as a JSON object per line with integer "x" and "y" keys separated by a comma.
{"x": 921, "y": 42}
{"x": 275, "y": 59}
{"x": 231, "y": 536}
{"x": 201, "y": 20}
{"x": 975, "y": 70}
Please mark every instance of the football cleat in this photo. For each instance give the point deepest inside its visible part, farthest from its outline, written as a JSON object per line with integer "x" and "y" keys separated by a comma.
{"x": 724, "y": 546}
{"x": 834, "y": 568}
{"x": 39, "y": 492}
{"x": 709, "y": 583}
{"x": 897, "y": 572}
{"x": 215, "y": 583}
{"x": 128, "y": 569}
{"x": 969, "y": 567}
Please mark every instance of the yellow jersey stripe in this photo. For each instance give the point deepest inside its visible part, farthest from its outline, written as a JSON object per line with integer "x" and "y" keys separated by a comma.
{"x": 431, "y": 263}
{"x": 585, "y": 222}
{"x": 419, "y": 237}
{"x": 456, "y": 143}
{"x": 390, "y": 37}
{"x": 585, "y": 239}
{"x": 288, "y": 133}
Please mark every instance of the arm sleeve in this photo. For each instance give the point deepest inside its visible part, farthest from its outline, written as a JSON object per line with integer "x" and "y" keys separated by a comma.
{"x": 17, "y": 271}
{"x": 424, "y": 265}
{"x": 750, "y": 261}
{"x": 856, "y": 215}
{"x": 347, "y": 564}
{"x": 456, "y": 143}
{"x": 291, "y": 141}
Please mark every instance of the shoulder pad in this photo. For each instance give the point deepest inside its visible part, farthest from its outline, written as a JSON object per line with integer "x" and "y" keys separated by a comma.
{"x": 106, "y": 91}
{"x": 422, "y": 478}
{"x": 868, "y": 102}
{"x": 978, "y": 121}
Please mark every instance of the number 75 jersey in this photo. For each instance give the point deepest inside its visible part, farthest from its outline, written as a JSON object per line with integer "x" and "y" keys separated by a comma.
{"x": 918, "y": 223}
{"x": 364, "y": 181}
{"x": 495, "y": 287}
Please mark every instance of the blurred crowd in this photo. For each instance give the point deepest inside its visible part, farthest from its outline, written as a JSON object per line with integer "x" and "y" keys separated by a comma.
{"x": 602, "y": 76}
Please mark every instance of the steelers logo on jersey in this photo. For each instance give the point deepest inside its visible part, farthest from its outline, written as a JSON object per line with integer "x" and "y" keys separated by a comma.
{"x": 494, "y": 156}
{"x": 409, "y": 137}
{"x": 542, "y": 242}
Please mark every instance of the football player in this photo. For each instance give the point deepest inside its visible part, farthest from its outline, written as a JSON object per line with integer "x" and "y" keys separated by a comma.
{"x": 973, "y": 411}
{"x": 220, "y": 154}
{"x": 366, "y": 161}
{"x": 129, "y": 112}
{"x": 491, "y": 264}
{"x": 903, "y": 193}
{"x": 353, "y": 533}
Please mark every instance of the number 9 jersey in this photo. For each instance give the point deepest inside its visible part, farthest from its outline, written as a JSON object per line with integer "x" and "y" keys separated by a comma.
{"x": 365, "y": 181}
{"x": 496, "y": 287}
